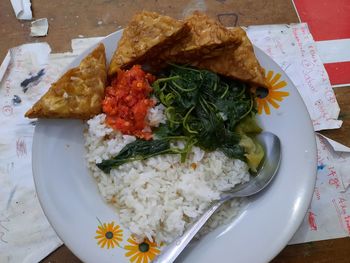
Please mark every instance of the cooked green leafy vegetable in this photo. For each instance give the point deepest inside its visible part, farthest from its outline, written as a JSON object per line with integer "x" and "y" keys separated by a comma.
{"x": 202, "y": 109}
{"x": 137, "y": 150}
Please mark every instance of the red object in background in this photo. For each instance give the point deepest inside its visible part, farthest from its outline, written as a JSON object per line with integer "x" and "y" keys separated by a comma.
{"x": 328, "y": 20}
{"x": 339, "y": 73}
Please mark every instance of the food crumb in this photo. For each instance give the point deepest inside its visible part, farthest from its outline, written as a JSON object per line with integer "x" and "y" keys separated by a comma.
{"x": 113, "y": 199}
{"x": 193, "y": 166}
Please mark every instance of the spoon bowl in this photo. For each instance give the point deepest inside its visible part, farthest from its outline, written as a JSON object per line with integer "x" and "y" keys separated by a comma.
{"x": 266, "y": 172}
{"x": 267, "y": 169}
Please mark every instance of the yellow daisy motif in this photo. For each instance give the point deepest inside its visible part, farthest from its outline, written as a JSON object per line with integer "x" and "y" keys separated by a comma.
{"x": 109, "y": 234}
{"x": 143, "y": 252}
{"x": 271, "y": 95}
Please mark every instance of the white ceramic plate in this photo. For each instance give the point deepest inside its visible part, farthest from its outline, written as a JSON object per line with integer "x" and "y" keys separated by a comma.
{"x": 71, "y": 201}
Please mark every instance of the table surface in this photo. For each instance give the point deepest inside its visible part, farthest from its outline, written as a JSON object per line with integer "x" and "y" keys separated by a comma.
{"x": 75, "y": 18}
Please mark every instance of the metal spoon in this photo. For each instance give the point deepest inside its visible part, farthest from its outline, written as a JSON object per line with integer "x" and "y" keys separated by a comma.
{"x": 266, "y": 173}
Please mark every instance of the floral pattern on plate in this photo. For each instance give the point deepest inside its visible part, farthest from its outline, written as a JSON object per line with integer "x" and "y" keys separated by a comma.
{"x": 109, "y": 235}
{"x": 271, "y": 96}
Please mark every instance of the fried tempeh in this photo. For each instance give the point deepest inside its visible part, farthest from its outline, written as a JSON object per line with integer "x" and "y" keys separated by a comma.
{"x": 78, "y": 93}
{"x": 238, "y": 63}
{"x": 146, "y": 35}
{"x": 206, "y": 38}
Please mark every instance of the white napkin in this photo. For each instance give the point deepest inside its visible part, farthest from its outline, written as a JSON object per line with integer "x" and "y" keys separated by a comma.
{"x": 28, "y": 70}
{"x": 22, "y": 9}
{"x": 39, "y": 27}
{"x": 292, "y": 47}
{"x": 25, "y": 233}
{"x": 329, "y": 212}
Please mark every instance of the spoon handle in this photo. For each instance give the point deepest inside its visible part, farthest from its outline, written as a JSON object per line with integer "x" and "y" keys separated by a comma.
{"x": 174, "y": 249}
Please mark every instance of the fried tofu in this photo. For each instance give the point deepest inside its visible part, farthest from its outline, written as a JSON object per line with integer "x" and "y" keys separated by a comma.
{"x": 146, "y": 35}
{"x": 78, "y": 94}
{"x": 239, "y": 63}
{"x": 206, "y": 38}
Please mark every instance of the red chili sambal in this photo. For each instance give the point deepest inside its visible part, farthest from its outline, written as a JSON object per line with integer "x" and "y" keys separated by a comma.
{"x": 127, "y": 102}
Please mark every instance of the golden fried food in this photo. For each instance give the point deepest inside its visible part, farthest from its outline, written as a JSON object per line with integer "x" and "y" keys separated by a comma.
{"x": 238, "y": 63}
{"x": 146, "y": 35}
{"x": 206, "y": 38}
{"x": 78, "y": 93}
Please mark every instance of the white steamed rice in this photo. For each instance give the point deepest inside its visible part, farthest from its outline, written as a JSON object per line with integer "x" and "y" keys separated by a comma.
{"x": 157, "y": 198}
